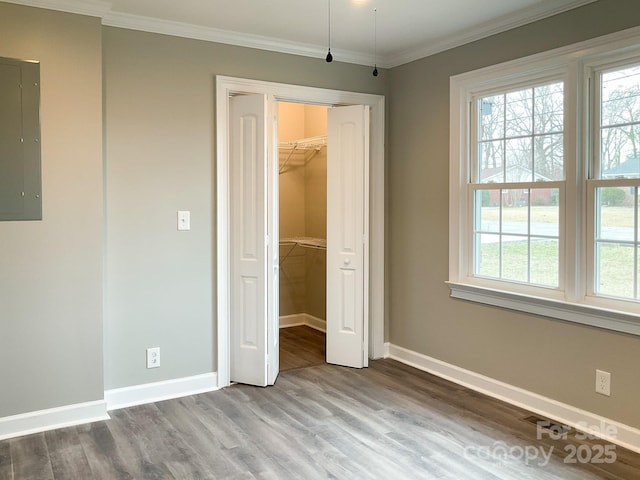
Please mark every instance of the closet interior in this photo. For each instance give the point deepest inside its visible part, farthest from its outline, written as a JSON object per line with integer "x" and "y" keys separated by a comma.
{"x": 302, "y": 131}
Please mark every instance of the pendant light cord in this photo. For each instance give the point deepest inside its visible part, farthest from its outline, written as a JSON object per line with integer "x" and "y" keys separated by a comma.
{"x": 329, "y": 57}
{"x": 375, "y": 42}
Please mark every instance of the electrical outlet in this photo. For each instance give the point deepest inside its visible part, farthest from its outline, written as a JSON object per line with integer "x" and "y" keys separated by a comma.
{"x": 153, "y": 357}
{"x": 603, "y": 383}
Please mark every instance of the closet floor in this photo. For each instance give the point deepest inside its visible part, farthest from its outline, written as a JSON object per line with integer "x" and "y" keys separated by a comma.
{"x": 301, "y": 347}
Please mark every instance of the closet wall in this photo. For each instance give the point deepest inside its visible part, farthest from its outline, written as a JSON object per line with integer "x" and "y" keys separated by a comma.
{"x": 303, "y": 212}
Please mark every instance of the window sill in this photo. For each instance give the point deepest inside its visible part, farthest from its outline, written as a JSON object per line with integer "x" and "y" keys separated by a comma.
{"x": 591, "y": 315}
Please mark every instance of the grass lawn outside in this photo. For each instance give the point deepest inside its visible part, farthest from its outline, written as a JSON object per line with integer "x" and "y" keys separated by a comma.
{"x": 539, "y": 264}
{"x": 610, "y": 216}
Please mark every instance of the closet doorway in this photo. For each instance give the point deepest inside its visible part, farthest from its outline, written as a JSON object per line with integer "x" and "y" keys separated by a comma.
{"x": 302, "y": 179}
{"x": 247, "y": 210}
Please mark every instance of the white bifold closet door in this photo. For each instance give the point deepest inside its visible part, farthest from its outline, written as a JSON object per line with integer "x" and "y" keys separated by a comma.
{"x": 253, "y": 273}
{"x": 347, "y": 170}
{"x": 253, "y": 241}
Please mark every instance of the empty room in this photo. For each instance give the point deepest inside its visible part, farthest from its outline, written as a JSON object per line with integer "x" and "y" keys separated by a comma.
{"x": 319, "y": 239}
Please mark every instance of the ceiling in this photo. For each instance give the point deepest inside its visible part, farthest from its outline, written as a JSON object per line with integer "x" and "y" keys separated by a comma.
{"x": 386, "y": 32}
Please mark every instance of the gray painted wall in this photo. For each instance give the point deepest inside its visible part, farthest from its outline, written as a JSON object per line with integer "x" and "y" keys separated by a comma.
{"x": 159, "y": 124}
{"x": 552, "y": 358}
{"x": 51, "y": 270}
{"x": 159, "y": 156}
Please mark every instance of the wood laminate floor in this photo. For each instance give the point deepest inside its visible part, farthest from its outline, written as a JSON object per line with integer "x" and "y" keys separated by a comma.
{"x": 388, "y": 421}
{"x": 301, "y": 347}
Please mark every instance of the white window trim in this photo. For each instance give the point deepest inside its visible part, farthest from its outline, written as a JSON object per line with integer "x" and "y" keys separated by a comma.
{"x": 570, "y": 302}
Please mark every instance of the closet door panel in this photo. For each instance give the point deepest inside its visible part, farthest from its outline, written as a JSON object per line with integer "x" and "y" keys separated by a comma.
{"x": 248, "y": 328}
{"x": 346, "y": 165}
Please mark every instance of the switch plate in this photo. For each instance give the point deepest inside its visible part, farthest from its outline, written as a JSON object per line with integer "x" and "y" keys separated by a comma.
{"x": 153, "y": 357}
{"x": 184, "y": 220}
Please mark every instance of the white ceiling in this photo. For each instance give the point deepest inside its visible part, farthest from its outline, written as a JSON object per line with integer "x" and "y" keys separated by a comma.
{"x": 406, "y": 29}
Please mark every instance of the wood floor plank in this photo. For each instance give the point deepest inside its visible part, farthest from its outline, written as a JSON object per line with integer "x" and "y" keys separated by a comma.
{"x": 104, "y": 453}
{"x": 138, "y": 429}
{"x": 6, "y": 469}
{"x": 388, "y": 421}
{"x": 199, "y": 436}
{"x": 301, "y": 347}
{"x": 66, "y": 454}
{"x": 30, "y": 458}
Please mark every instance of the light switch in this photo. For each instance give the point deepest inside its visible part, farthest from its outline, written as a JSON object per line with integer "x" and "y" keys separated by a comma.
{"x": 184, "y": 220}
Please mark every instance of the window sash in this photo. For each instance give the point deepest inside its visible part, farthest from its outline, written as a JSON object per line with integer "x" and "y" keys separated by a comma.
{"x": 592, "y": 273}
{"x": 531, "y": 234}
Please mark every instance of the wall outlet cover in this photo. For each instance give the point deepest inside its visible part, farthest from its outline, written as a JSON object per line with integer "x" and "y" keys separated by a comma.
{"x": 153, "y": 357}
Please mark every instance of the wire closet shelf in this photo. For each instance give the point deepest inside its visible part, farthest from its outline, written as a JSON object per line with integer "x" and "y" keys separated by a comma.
{"x": 302, "y": 150}
{"x": 303, "y": 242}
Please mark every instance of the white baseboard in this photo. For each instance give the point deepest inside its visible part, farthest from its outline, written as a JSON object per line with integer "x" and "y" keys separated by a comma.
{"x": 158, "y": 391}
{"x": 625, "y": 435}
{"x": 52, "y": 418}
{"x": 298, "y": 319}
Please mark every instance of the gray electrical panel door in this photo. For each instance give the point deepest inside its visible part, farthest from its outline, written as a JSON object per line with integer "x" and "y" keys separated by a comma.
{"x": 20, "y": 176}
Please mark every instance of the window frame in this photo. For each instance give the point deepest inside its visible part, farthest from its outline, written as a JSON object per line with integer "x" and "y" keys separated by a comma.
{"x": 574, "y": 299}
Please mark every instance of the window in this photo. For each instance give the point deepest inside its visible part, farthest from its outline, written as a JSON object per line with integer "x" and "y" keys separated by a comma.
{"x": 545, "y": 181}
{"x": 518, "y": 163}
{"x": 20, "y": 178}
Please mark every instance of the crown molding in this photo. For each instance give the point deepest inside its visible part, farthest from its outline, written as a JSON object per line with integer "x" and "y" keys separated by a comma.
{"x": 92, "y": 8}
{"x": 103, "y": 9}
{"x": 197, "y": 32}
{"x": 487, "y": 29}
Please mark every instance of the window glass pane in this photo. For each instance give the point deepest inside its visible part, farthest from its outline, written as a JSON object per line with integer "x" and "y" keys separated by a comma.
{"x": 615, "y": 214}
{"x": 620, "y": 123}
{"x": 620, "y": 95}
{"x": 549, "y": 108}
{"x": 487, "y": 211}
{"x": 637, "y": 289}
{"x": 619, "y": 154}
{"x": 519, "y": 113}
{"x": 515, "y": 258}
{"x": 518, "y": 156}
{"x": 487, "y": 255}
{"x": 549, "y": 157}
{"x": 615, "y": 265}
{"x": 636, "y": 201}
{"x": 545, "y": 212}
{"x": 545, "y": 260}
{"x": 515, "y": 211}
{"x": 491, "y": 110}
{"x": 491, "y": 162}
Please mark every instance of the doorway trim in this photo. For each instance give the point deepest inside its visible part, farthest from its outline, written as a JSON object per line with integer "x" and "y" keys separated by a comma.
{"x": 229, "y": 86}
